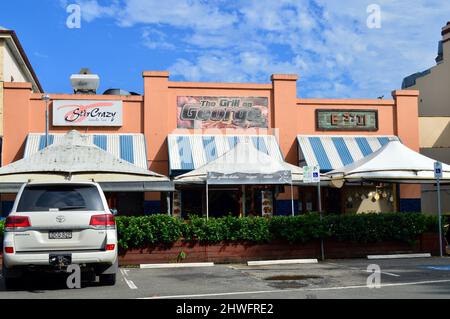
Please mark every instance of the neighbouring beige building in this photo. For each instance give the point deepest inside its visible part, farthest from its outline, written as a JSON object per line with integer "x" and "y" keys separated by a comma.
{"x": 434, "y": 116}
{"x": 14, "y": 67}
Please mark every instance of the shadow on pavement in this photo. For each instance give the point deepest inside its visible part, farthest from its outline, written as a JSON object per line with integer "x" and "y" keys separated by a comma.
{"x": 41, "y": 282}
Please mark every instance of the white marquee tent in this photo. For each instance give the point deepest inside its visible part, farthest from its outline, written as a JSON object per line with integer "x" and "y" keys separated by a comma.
{"x": 395, "y": 163}
{"x": 244, "y": 164}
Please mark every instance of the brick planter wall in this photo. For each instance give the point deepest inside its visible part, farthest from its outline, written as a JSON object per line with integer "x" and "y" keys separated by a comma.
{"x": 243, "y": 251}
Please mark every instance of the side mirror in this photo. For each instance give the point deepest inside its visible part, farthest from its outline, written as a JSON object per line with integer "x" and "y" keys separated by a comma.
{"x": 113, "y": 211}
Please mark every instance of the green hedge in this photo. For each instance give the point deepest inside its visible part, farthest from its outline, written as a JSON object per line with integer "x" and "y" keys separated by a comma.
{"x": 140, "y": 231}
{"x": 362, "y": 228}
{"x": 365, "y": 228}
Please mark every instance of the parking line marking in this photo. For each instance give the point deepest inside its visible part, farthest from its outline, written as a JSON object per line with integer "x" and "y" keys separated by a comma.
{"x": 295, "y": 290}
{"x": 354, "y": 268}
{"x": 129, "y": 282}
{"x": 399, "y": 256}
{"x": 176, "y": 265}
{"x": 282, "y": 262}
{"x": 389, "y": 274}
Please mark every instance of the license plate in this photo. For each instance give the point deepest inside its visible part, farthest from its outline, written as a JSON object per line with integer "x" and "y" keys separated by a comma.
{"x": 59, "y": 235}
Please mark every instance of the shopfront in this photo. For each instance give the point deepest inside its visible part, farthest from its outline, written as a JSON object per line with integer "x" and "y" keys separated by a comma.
{"x": 177, "y": 127}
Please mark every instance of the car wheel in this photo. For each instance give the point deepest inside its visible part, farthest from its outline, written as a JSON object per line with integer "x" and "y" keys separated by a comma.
{"x": 108, "y": 279}
{"x": 11, "y": 283}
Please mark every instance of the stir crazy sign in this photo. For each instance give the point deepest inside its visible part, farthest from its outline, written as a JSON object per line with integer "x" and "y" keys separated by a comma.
{"x": 87, "y": 113}
{"x": 222, "y": 112}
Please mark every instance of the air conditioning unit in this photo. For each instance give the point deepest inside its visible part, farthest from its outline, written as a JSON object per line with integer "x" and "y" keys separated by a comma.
{"x": 85, "y": 82}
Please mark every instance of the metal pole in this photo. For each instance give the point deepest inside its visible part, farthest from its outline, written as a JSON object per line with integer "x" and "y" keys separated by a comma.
{"x": 319, "y": 204}
{"x": 292, "y": 200}
{"x": 440, "y": 215}
{"x": 168, "y": 203}
{"x": 46, "y": 97}
{"x": 207, "y": 200}
{"x": 243, "y": 200}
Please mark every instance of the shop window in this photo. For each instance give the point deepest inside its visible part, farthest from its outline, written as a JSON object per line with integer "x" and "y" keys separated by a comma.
{"x": 126, "y": 203}
{"x": 223, "y": 202}
{"x": 366, "y": 199}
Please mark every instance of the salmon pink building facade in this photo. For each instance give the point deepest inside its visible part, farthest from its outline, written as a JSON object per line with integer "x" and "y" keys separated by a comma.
{"x": 175, "y": 127}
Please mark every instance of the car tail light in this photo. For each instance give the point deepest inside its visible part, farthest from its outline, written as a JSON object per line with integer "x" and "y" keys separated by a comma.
{"x": 110, "y": 247}
{"x": 16, "y": 223}
{"x": 9, "y": 250}
{"x": 103, "y": 221}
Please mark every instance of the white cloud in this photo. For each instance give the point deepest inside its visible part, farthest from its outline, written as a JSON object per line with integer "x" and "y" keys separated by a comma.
{"x": 179, "y": 13}
{"x": 155, "y": 39}
{"x": 91, "y": 9}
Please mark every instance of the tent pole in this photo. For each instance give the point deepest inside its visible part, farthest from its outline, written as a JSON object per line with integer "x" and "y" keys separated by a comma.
{"x": 207, "y": 200}
{"x": 168, "y": 202}
{"x": 292, "y": 200}
{"x": 243, "y": 200}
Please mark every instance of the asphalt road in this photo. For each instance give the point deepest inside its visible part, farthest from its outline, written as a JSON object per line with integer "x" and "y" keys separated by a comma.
{"x": 400, "y": 278}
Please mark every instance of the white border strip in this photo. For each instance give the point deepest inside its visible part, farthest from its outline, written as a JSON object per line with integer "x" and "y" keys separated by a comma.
{"x": 175, "y": 265}
{"x": 395, "y": 256}
{"x": 282, "y": 262}
{"x": 252, "y": 293}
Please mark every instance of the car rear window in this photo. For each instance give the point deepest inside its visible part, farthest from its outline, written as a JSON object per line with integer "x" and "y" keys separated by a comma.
{"x": 62, "y": 197}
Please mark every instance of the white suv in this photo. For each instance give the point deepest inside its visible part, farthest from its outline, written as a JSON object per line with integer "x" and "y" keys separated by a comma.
{"x": 53, "y": 225}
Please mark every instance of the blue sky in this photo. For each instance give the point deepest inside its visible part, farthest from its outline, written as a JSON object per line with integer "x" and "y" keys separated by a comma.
{"x": 326, "y": 42}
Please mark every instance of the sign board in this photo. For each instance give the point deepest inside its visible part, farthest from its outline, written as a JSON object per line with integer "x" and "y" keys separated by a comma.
{"x": 205, "y": 112}
{"x": 276, "y": 178}
{"x": 350, "y": 120}
{"x": 87, "y": 113}
{"x": 311, "y": 174}
{"x": 437, "y": 170}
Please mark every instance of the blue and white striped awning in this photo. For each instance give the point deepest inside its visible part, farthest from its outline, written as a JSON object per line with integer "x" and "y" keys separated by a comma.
{"x": 332, "y": 152}
{"x": 188, "y": 152}
{"x": 129, "y": 147}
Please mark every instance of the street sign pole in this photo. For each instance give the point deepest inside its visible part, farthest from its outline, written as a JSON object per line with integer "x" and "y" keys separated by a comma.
{"x": 440, "y": 216}
{"x": 311, "y": 175}
{"x": 319, "y": 206}
{"x": 438, "y": 176}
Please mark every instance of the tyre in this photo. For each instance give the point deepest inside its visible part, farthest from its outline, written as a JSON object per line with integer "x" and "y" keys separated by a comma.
{"x": 108, "y": 279}
{"x": 11, "y": 283}
{"x": 8, "y": 281}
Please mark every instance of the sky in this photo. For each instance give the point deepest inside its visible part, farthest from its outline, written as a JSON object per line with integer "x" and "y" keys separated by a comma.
{"x": 339, "y": 49}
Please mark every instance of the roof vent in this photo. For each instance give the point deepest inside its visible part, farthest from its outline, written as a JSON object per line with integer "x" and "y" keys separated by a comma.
{"x": 84, "y": 82}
